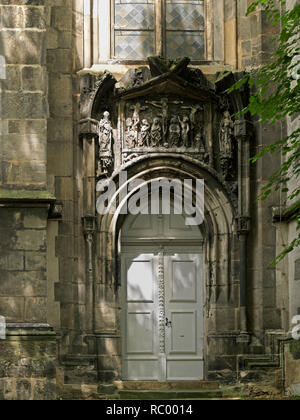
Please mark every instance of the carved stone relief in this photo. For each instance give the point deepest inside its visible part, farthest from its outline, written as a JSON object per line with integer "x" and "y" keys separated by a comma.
{"x": 163, "y": 123}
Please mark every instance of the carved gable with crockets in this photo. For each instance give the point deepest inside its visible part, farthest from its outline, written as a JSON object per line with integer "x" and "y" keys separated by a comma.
{"x": 168, "y": 108}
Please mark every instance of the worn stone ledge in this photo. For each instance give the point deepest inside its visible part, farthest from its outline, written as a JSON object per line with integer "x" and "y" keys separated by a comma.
{"x": 29, "y": 330}
{"x": 228, "y": 334}
{"x": 8, "y": 196}
{"x": 74, "y": 391}
{"x": 78, "y": 360}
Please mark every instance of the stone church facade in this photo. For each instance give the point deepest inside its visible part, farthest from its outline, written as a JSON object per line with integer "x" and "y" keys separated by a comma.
{"x": 87, "y": 93}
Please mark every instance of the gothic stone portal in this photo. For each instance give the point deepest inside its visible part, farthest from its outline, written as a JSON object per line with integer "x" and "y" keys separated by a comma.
{"x": 166, "y": 310}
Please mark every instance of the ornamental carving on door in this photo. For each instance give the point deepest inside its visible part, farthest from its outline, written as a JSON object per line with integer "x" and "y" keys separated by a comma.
{"x": 161, "y": 302}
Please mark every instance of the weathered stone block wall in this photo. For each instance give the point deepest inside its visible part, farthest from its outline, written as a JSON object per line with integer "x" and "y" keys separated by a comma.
{"x": 23, "y": 161}
{"x": 25, "y": 202}
{"x": 27, "y": 356}
{"x": 255, "y": 35}
{"x": 28, "y": 364}
{"x": 23, "y": 283}
{"x": 24, "y": 102}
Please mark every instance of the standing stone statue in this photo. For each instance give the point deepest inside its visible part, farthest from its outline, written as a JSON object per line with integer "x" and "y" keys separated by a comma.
{"x": 199, "y": 142}
{"x": 185, "y": 130}
{"x": 144, "y": 138}
{"x": 137, "y": 109}
{"x": 174, "y": 132}
{"x": 196, "y": 116}
{"x": 156, "y": 133}
{"x": 130, "y": 134}
{"x": 226, "y": 146}
{"x": 105, "y": 132}
{"x": 226, "y": 132}
{"x": 136, "y": 116}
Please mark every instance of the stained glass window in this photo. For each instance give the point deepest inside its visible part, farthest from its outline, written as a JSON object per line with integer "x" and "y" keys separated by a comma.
{"x": 134, "y": 29}
{"x": 185, "y": 28}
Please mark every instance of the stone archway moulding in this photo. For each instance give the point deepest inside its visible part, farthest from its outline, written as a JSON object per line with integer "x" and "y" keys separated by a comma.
{"x": 218, "y": 227}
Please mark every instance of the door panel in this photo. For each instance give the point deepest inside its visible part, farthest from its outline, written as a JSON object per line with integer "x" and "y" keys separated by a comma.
{"x": 184, "y": 370}
{"x": 183, "y": 332}
{"x": 144, "y": 301}
{"x": 142, "y": 370}
{"x": 139, "y": 323}
{"x": 140, "y": 280}
{"x": 183, "y": 281}
{"x": 184, "y": 307}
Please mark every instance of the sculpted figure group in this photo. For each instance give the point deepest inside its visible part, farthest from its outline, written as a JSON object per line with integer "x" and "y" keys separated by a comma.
{"x": 163, "y": 123}
{"x": 163, "y": 131}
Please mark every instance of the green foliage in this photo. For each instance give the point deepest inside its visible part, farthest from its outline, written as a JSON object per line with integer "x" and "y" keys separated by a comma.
{"x": 277, "y": 96}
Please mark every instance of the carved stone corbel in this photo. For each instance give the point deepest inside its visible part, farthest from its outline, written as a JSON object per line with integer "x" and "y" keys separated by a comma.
{"x": 88, "y": 128}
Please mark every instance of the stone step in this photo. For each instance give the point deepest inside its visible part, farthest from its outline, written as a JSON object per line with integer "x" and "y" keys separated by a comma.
{"x": 170, "y": 394}
{"x": 165, "y": 386}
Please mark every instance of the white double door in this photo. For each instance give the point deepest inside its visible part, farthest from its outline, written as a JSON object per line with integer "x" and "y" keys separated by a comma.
{"x": 162, "y": 314}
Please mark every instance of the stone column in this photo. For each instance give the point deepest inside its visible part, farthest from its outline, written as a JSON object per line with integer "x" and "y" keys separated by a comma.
{"x": 88, "y": 131}
{"x": 242, "y": 129}
{"x": 89, "y": 230}
{"x": 243, "y": 229}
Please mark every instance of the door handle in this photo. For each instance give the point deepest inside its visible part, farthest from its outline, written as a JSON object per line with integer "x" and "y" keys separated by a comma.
{"x": 168, "y": 323}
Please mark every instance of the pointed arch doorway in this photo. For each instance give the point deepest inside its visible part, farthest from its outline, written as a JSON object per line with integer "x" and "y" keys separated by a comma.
{"x": 162, "y": 291}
